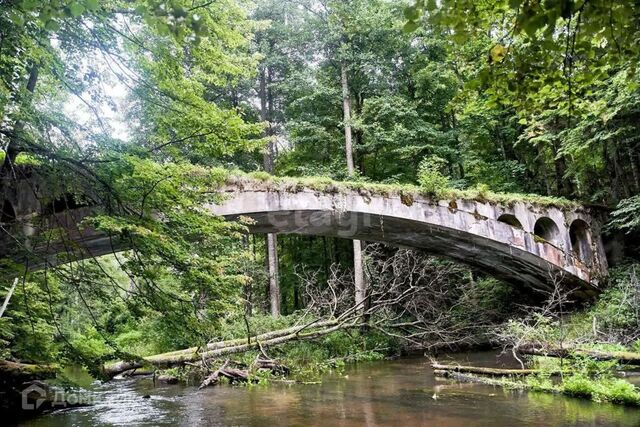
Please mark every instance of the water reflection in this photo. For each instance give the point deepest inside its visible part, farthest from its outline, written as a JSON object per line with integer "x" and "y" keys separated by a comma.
{"x": 397, "y": 393}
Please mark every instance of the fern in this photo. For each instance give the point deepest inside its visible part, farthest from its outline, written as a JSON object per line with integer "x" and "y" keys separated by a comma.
{"x": 627, "y": 215}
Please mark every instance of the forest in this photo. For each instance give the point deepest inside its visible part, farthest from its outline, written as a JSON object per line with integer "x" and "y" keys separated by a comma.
{"x": 140, "y": 112}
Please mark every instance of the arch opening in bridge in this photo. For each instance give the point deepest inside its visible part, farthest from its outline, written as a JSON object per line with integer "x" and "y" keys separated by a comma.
{"x": 581, "y": 240}
{"x": 61, "y": 204}
{"x": 545, "y": 228}
{"x": 8, "y": 213}
{"x": 512, "y": 220}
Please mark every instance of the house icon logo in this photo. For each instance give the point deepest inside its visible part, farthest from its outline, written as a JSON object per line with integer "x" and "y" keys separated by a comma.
{"x": 31, "y": 393}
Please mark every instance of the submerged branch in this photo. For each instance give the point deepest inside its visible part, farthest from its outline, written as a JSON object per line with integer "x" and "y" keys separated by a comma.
{"x": 484, "y": 371}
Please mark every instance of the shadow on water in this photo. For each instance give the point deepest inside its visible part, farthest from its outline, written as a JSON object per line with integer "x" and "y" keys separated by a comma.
{"x": 391, "y": 393}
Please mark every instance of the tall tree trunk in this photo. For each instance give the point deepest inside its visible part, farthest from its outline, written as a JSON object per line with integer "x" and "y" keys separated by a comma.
{"x": 248, "y": 286}
{"x": 272, "y": 265}
{"x": 543, "y": 170}
{"x": 346, "y": 108}
{"x": 619, "y": 173}
{"x": 266, "y": 117}
{"x": 634, "y": 167}
{"x": 611, "y": 173}
{"x": 272, "y": 239}
{"x": 358, "y": 271}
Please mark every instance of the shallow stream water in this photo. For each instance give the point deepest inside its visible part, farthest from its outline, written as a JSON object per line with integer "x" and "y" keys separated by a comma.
{"x": 402, "y": 392}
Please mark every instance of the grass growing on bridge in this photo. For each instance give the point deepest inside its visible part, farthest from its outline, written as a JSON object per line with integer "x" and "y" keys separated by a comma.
{"x": 407, "y": 192}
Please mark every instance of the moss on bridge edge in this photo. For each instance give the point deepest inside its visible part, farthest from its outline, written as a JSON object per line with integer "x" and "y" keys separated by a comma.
{"x": 404, "y": 191}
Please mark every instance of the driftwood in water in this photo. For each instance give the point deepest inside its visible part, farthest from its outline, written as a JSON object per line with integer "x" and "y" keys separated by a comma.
{"x": 271, "y": 365}
{"x": 626, "y": 357}
{"x": 224, "y": 348}
{"x": 482, "y": 370}
{"x": 167, "y": 379}
{"x": 214, "y": 377}
{"x": 233, "y": 374}
{"x": 242, "y": 375}
{"x": 138, "y": 373}
{"x": 467, "y": 378}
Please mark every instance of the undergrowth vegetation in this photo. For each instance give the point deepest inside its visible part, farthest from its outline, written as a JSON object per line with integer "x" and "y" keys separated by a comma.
{"x": 610, "y": 326}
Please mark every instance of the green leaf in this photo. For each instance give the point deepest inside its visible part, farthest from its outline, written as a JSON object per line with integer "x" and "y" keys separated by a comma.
{"x": 92, "y": 4}
{"x": 52, "y": 25}
{"x": 410, "y": 26}
{"x": 17, "y": 18}
{"x": 460, "y": 37}
{"x": 179, "y": 12}
{"x": 515, "y": 4}
{"x": 44, "y": 15}
{"x": 29, "y": 5}
{"x": 497, "y": 53}
{"x": 76, "y": 9}
{"x": 163, "y": 29}
{"x": 411, "y": 13}
{"x": 533, "y": 24}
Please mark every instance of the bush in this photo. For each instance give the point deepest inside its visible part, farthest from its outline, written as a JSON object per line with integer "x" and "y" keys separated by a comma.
{"x": 578, "y": 385}
{"x": 601, "y": 389}
{"x": 616, "y": 311}
{"x": 430, "y": 176}
{"x": 621, "y": 391}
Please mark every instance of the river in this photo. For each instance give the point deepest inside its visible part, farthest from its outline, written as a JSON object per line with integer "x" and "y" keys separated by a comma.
{"x": 402, "y": 393}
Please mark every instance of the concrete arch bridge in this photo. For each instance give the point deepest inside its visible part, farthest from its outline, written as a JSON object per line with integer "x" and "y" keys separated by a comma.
{"x": 522, "y": 242}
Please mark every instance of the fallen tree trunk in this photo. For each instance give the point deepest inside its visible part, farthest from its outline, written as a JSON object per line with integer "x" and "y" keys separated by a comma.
{"x": 261, "y": 337}
{"x": 629, "y": 358}
{"x": 231, "y": 347}
{"x": 482, "y": 370}
{"x": 15, "y": 372}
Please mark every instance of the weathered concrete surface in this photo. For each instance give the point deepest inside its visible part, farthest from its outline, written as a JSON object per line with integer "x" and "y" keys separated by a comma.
{"x": 568, "y": 243}
{"x": 466, "y": 230}
{"x": 36, "y": 231}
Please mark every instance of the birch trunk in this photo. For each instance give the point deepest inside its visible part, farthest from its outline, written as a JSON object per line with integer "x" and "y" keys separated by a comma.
{"x": 358, "y": 271}
{"x": 274, "y": 285}
{"x": 266, "y": 108}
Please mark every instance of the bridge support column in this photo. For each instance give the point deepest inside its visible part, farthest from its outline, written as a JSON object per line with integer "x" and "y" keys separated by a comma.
{"x": 358, "y": 276}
